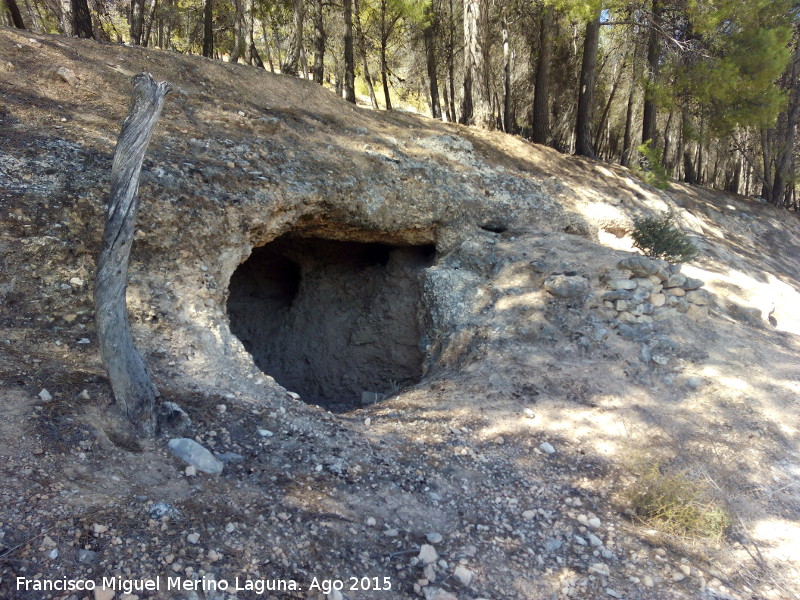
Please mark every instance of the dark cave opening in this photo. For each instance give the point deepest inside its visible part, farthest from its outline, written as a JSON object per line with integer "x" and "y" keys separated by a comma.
{"x": 336, "y": 322}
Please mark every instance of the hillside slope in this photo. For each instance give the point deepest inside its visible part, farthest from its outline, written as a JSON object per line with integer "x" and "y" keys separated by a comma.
{"x": 438, "y": 296}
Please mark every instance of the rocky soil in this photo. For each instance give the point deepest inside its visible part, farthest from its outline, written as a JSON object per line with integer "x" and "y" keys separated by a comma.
{"x": 552, "y": 365}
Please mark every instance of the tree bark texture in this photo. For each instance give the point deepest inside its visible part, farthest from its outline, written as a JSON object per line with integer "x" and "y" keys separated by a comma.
{"x": 81, "y": 19}
{"x": 649, "y": 115}
{"x": 476, "y": 107}
{"x": 133, "y": 390}
{"x": 16, "y": 16}
{"x": 583, "y": 121}
{"x": 208, "y": 29}
{"x": 429, "y": 36}
{"x": 319, "y": 43}
{"x": 508, "y": 121}
{"x": 290, "y": 66}
{"x": 349, "y": 56}
{"x": 136, "y": 21}
{"x": 540, "y": 117}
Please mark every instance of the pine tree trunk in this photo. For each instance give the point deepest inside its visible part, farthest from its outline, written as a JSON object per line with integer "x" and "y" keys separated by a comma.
{"x": 136, "y": 21}
{"x": 649, "y": 115}
{"x": 82, "y": 19}
{"x": 583, "y": 122}
{"x": 349, "y": 58}
{"x": 290, "y": 66}
{"x": 787, "y": 125}
{"x": 133, "y": 390}
{"x": 476, "y": 103}
{"x": 507, "y": 121}
{"x": 362, "y": 44}
{"x": 64, "y": 16}
{"x": 208, "y": 29}
{"x": 13, "y": 11}
{"x": 451, "y": 68}
{"x": 319, "y": 43}
{"x": 540, "y": 117}
{"x": 429, "y": 37}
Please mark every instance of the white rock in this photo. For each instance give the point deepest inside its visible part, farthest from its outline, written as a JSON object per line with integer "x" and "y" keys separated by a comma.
{"x": 84, "y": 395}
{"x": 265, "y": 433}
{"x": 429, "y": 573}
{"x": 230, "y": 528}
{"x": 547, "y": 448}
{"x": 647, "y": 581}
{"x": 594, "y": 523}
{"x": 371, "y": 522}
{"x": 528, "y": 514}
{"x": 103, "y": 594}
{"x": 594, "y": 540}
{"x": 190, "y": 471}
{"x": 193, "y": 453}
{"x": 600, "y": 569}
{"x": 45, "y": 396}
{"x": 433, "y": 537}
{"x": 613, "y": 593}
{"x": 193, "y": 538}
{"x": 427, "y": 554}
{"x": 432, "y": 593}
{"x": 463, "y": 574}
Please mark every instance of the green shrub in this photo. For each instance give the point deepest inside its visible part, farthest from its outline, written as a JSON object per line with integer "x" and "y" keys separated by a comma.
{"x": 675, "y": 503}
{"x": 659, "y": 238}
{"x": 649, "y": 168}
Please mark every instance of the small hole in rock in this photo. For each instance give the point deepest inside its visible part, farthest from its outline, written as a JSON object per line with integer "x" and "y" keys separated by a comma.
{"x": 494, "y": 227}
{"x": 337, "y": 322}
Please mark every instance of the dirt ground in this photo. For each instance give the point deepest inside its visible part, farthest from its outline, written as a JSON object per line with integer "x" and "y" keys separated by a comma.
{"x": 442, "y": 490}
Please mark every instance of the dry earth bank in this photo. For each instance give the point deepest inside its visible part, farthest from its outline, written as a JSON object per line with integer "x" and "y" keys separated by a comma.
{"x": 435, "y": 293}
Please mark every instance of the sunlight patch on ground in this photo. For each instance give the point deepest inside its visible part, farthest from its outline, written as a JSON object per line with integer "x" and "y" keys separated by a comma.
{"x": 771, "y": 297}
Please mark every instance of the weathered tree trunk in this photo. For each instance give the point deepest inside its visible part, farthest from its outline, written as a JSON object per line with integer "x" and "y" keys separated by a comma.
{"x": 384, "y": 35}
{"x": 130, "y": 382}
{"x": 649, "y": 115}
{"x": 507, "y": 120}
{"x": 65, "y": 16}
{"x": 349, "y": 57}
{"x": 429, "y": 36}
{"x": 136, "y": 21}
{"x": 476, "y": 103}
{"x": 208, "y": 29}
{"x": 149, "y": 29}
{"x": 785, "y": 129}
{"x": 319, "y": 43}
{"x": 601, "y": 126}
{"x": 16, "y": 16}
{"x": 266, "y": 47}
{"x": 81, "y": 19}
{"x": 540, "y": 116}
{"x": 290, "y": 66}
{"x": 583, "y": 120}
{"x": 242, "y": 31}
{"x": 451, "y": 69}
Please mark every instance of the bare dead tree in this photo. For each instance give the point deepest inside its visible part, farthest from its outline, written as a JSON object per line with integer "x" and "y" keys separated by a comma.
{"x": 133, "y": 390}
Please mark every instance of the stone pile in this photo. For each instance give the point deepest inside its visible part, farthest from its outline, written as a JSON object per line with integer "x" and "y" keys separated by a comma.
{"x": 644, "y": 290}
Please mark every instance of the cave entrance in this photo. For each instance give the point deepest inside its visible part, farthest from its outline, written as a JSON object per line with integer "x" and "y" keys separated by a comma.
{"x": 337, "y": 322}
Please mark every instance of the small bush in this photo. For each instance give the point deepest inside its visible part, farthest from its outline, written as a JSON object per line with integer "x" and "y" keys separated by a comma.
{"x": 649, "y": 169}
{"x": 659, "y": 238}
{"x": 674, "y": 503}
